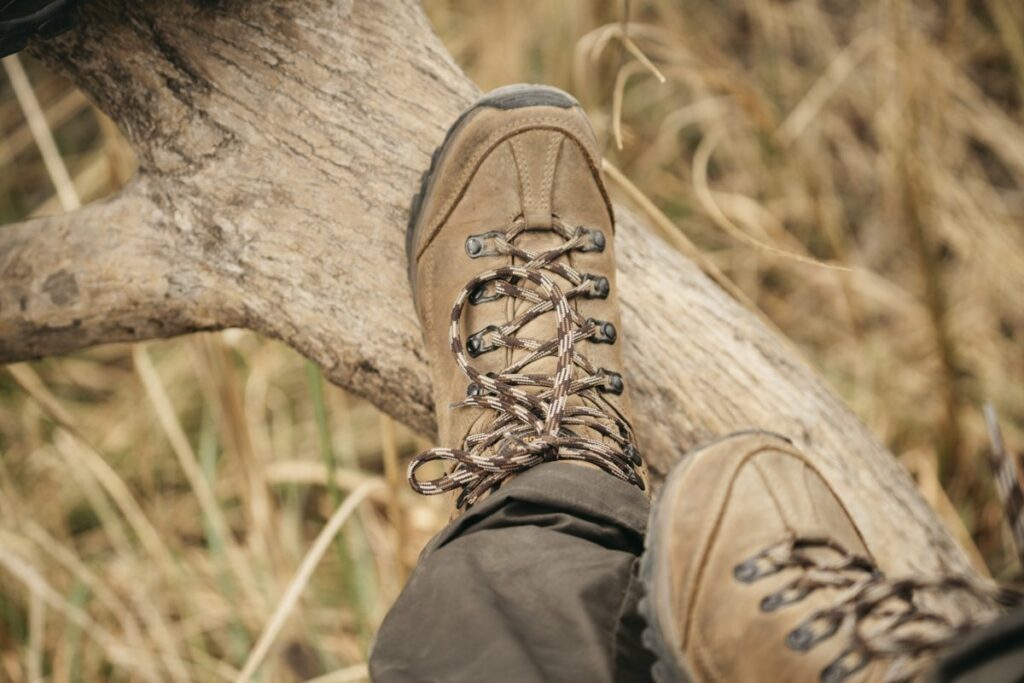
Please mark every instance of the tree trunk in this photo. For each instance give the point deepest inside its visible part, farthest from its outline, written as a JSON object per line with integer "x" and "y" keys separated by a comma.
{"x": 279, "y": 144}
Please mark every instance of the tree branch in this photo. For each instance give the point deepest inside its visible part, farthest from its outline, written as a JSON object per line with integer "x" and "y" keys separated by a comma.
{"x": 281, "y": 143}
{"x": 104, "y": 273}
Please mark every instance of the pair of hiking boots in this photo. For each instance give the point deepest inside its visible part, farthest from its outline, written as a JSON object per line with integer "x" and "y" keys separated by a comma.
{"x": 753, "y": 568}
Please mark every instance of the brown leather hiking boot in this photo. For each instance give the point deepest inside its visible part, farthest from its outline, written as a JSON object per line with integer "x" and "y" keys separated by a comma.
{"x": 512, "y": 265}
{"x": 754, "y": 571}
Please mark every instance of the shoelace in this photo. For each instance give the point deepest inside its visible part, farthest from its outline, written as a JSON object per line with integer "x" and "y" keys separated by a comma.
{"x": 903, "y": 631}
{"x": 532, "y": 427}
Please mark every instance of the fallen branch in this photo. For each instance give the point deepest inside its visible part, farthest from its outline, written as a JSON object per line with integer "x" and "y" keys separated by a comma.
{"x": 279, "y": 144}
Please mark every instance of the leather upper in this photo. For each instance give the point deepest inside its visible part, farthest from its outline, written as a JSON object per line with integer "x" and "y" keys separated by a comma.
{"x": 728, "y": 502}
{"x": 534, "y": 163}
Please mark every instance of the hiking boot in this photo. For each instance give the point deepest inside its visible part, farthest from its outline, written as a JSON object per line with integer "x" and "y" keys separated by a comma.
{"x": 512, "y": 263}
{"x": 22, "y": 19}
{"x": 754, "y": 571}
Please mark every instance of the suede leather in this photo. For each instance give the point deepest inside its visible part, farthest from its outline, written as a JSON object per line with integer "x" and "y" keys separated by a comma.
{"x": 731, "y": 500}
{"x": 532, "y": 162}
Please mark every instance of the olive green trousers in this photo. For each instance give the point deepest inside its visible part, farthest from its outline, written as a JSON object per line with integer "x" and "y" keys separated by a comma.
{"x": 538, "y": 582}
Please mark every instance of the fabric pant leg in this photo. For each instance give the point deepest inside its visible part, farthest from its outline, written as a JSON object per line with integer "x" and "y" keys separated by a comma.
{"x": 536, "y": 583}
{"x": 992, "y": 654}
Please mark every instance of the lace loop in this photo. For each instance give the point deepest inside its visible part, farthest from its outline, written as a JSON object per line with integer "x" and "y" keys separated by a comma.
{"x": 900, "y": 629}
{"x": 532, "y": 426}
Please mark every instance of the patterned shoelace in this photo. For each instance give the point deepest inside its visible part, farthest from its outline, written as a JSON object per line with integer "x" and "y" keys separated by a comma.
{"x": 888, "y": 622}
{"x": 538, "y": 426}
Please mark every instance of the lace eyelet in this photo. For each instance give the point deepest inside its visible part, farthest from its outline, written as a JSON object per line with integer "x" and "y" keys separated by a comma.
{"x": 479, "y": 295}
{"x": 478, "y": 246}
{"x": 601, "y": 288}
{"x": 837, "y": 671}
{"x": 747, "y": 572}
{"x": 770, "y": 603}
{"x": 477, "y": 344}
{"x": 754, "y": 568}
{"x": 804, "y": 637}
{"x": 473, "y": 389}
{"x": 782, "y": 598}
{"x": 613, "y": 383}
{"x": 606, "y": 332}
{"x": 596, "y": 240}
{"x": 800, "y": 639}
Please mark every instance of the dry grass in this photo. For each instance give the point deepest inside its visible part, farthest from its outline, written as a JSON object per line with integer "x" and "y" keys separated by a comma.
{"x": 156, "y": 502}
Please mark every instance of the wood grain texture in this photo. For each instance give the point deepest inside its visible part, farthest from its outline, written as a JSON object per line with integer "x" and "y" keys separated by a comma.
{"x": 280, "y": 144}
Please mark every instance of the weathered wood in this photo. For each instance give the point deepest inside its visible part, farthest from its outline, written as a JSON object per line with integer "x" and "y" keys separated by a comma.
{"x": 108, "y": 272}
{"x": 279, "y": 146}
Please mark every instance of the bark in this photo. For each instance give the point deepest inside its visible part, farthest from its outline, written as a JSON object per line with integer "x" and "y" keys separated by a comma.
{"x": 279, "y": 145}
{"x": 105, "y": 273}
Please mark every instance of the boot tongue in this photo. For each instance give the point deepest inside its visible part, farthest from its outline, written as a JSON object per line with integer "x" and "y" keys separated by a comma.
{"x": 535, "y": 156}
